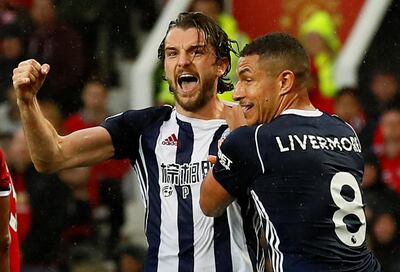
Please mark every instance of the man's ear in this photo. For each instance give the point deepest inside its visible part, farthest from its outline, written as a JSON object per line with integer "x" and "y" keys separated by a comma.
{"x": 222, "y": 65}
{"x": 287, "y": 79}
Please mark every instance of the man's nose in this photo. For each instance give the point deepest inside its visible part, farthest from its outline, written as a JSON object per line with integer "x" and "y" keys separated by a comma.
{"x": 238, "y": 92}
{"x": 184, "y": 59}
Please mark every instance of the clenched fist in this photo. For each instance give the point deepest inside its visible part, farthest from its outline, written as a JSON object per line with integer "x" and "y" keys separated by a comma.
{"x": 28, "y": 77}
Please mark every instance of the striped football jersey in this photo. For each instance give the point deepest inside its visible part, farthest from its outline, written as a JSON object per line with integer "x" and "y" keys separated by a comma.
{"x": 169, "y": 154}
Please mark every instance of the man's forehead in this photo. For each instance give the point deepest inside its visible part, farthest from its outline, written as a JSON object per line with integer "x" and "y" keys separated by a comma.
{"x": 256, "y": 62}
{"x": 179, "y": 37}
{"x": 248, "y": 63}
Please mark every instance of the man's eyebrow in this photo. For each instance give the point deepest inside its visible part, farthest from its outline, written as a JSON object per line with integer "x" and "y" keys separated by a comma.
{"x": 191, "y": 47}
{"x": 244, "y": 70}
{"x": 197, "y": 46}
{"x": 170, "y": 48}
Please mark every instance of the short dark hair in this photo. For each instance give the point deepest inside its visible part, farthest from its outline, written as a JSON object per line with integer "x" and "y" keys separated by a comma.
{"x": 213, "y": 35}
{"x": 282, "y": 46}
{"x": 94, "y": 79}
{"x": 348, "y": 90}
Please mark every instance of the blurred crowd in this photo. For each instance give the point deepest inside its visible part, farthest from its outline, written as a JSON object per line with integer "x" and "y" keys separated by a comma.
{"x": 70, "y": 220}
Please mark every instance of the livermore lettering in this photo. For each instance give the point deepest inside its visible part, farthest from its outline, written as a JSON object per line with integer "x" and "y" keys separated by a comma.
{"x": 296, "y": 142}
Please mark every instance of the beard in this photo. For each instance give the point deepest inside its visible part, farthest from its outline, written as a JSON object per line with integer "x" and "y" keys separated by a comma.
{"x": 197, "y": 100}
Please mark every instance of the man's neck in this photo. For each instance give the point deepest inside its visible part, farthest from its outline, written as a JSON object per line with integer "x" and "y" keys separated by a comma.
{"x": 298, "y": 101}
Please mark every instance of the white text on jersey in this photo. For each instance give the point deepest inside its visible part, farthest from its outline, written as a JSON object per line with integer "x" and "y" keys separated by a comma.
{"x": 293, "y": 142}
{"x": 184, "y": 174}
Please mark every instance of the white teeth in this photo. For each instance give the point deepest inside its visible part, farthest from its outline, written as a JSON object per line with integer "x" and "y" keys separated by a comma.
{"x": 187, "y": 78}
{"x": 245, "y": 107}
{"x": 186, "y": 75}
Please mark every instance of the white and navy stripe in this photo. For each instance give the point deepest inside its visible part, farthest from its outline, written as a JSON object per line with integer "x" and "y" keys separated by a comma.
{"x": 180, "y": 237}
{"x": 271, "y": 236}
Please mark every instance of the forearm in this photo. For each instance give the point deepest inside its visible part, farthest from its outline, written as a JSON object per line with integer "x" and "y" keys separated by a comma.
{"x": 214, "y": 199}
{"x": 42, "y": 138}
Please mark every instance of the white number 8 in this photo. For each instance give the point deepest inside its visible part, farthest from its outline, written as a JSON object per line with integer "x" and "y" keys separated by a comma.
{"x": 353, "y": 207}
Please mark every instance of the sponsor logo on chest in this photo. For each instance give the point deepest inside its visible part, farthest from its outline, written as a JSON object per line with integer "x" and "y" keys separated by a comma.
{"x": 182, "y": 175}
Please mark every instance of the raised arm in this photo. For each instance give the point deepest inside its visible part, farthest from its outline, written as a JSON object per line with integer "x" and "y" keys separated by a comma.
{"x": 51, "y": 152}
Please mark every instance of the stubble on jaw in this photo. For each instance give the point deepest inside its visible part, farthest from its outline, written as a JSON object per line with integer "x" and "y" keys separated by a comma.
{"x": 196, "y": 102}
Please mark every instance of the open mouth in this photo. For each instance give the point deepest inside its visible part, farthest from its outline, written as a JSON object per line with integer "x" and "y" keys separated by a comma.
{"x": 246, "y": 107}
{"x": 187, "y": 81}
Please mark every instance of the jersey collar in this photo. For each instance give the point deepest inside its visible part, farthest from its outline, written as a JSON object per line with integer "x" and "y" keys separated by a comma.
{"x": 306, "y": 113}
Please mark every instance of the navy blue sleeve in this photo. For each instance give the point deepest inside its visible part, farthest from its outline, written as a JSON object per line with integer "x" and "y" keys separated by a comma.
{"x": 238, "y": 163}
{"x": 125, "y": 128}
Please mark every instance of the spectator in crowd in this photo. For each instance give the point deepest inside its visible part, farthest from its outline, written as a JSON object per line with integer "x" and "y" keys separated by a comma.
{"x": 12, "y": 51}
{"x": 9, "y": 114}
{"x": 94, "y": 110}
{"x": 107, "y": 36}
{"x": 56, "y": 43}
{"x": 103, "y": 184}
{"x": 7, "y": 13}
{"x": 383, "y": 92}
{"x": 79, "y": 232}
{"x": 348, "y": 107}
{"x": 382, "y": 208}
{"x": 385, "y": 240}
{"x": 14, "y": 12}
{"x": 319, "y": 37}
{"x": 9, "y": 119}
{"x": 130, "y": 258}
{"x": 48, "y": 204}
{"x": 378, "y": 197}
{"x": 386, "y": 144}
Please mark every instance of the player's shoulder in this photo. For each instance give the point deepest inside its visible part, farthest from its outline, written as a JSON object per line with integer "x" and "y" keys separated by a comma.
{"x": 143, "y": 115}
{"x": 242, "y": 133}
{"x": 341, "y": 125}
{"x": 337, "y": 119}
{"x": 152, "y": 111}
{"x": 241, "y": 140}
{"x": 313, "y": 118}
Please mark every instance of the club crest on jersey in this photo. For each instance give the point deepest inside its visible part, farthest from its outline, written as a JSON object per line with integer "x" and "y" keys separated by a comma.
{"x": 167, "y": 190}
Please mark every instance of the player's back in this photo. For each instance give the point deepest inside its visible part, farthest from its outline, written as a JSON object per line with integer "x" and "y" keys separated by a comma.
{"x": 309, "y": 194}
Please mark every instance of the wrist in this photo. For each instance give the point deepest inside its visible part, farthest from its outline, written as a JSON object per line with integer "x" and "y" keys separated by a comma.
{"x": 27, "y": 102}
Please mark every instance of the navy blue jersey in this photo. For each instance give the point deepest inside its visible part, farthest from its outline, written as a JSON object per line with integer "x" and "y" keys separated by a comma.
{"x": 169, "y": 154}
{"x": 304, "y": 171}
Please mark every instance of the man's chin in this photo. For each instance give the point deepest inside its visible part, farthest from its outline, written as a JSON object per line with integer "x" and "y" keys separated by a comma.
{"x": 190, "y": 103}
